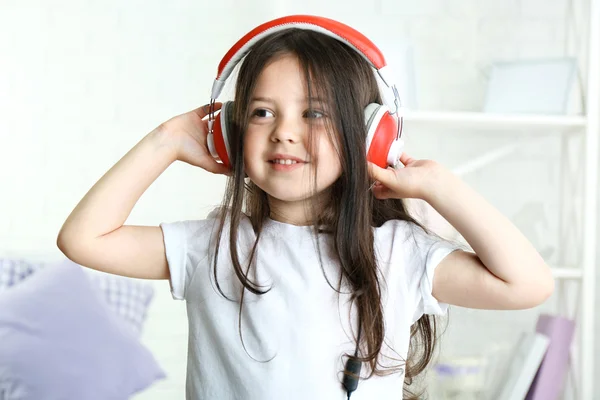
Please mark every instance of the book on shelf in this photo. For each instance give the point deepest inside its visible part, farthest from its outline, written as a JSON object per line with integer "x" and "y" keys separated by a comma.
{"x": 549, "y": 380}
{"x": 522, "y": 366}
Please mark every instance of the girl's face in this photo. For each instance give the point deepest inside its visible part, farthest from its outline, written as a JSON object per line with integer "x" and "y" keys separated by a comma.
{"x": 276, "y": 144}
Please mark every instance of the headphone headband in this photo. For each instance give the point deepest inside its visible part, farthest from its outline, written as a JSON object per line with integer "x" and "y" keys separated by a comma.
{"x": 329, "y": 27}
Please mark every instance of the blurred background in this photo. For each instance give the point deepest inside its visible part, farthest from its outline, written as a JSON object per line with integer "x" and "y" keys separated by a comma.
{"x": 497, "y": 90}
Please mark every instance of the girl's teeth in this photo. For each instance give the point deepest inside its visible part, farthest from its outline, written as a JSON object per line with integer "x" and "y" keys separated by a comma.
{"x": 287, "y": 162}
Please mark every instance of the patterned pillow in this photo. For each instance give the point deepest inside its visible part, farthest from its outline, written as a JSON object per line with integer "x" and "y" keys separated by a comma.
{"x": 13, "y": 271}
{"x": 129, "y": 298}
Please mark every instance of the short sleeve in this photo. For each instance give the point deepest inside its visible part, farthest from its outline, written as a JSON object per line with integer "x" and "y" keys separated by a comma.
{"x": 408, "y": 256}
{"x": 186, "y": 249}
{"x": 424, "y": 252}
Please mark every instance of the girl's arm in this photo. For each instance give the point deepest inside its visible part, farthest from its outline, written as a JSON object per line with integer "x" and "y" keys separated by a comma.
{"x": 505, "y": 272}
{"x": 94, "y": 234}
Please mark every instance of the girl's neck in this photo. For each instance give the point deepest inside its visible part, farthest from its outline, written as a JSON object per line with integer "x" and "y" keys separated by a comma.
{"x": 295, "y": 213}
{"x": 289, "y": 215}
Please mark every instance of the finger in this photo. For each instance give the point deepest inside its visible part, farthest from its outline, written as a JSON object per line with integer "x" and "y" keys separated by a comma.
{"x": 385, "y": 176}
{"x": 217, "y": 168}
{"x": 406, "y": 159}
{"x": 374, "y": 171}
{"x": 381, "y": 192}
{"x": 205, "y": 109}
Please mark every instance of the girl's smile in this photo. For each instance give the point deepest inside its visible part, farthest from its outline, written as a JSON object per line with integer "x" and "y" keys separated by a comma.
{"x": 286, "y": 162}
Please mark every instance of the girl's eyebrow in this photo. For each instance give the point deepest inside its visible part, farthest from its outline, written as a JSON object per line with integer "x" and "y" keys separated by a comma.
{"x": 270, "y": 100}
{"x": 263, "y": 99}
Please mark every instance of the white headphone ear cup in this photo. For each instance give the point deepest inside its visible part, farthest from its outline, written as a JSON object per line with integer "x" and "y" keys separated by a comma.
{"x": 226, "y": 117}
{"x": 226, "y": 111}
{"x": 218, "y": 142}
{"x": 370, "y": 112}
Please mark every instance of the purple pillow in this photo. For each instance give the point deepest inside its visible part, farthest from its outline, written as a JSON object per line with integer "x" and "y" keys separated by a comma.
{"x": 59, "y": 340}
{"x": 128, "y": 297}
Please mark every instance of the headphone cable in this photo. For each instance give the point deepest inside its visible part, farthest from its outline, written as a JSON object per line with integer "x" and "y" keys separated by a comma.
{"x": 353, "y": 367}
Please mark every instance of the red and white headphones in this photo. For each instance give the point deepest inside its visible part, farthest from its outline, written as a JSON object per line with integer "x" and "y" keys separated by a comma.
{"x": 384, "y": 128}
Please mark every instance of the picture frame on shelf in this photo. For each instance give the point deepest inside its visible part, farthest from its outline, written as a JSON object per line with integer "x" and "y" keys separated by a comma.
{"x": 543, "y": 86}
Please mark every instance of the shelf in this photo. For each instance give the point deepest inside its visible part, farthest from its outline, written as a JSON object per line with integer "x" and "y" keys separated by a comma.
{"x": 487, "y": 121}
{"x": 567, "y": 273}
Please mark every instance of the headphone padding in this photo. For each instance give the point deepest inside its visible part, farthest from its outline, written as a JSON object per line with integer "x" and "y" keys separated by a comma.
{"x": 221, "y": 132}
{"x": 370, "y": 112}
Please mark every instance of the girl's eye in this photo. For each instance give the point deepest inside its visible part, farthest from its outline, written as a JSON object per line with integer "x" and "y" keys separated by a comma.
{"x": 262, "y": 113}
{"x": 313, "y": 114}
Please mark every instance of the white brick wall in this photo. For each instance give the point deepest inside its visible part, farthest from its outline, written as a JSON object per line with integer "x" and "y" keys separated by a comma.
{"x": 82, "y": 81}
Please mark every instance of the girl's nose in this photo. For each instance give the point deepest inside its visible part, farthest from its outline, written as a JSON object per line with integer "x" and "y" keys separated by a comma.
{"x": 288, "y": 130}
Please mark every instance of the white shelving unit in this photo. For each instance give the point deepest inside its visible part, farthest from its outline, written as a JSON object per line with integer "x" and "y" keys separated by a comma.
{"x": 484, "y": 121}
{"x": 585, "y": 239}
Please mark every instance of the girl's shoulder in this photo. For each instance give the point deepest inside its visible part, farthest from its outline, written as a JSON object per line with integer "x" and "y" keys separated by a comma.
{"x": 398, "y": 228}
{"x": 411, "y": 237}
{"x": 209, "y": 227}
{"x": 193, "y": 228}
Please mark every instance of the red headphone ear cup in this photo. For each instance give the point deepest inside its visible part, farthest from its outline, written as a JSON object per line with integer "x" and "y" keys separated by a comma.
{"x": 382, "y": 131}
{"x": 221, "y": 132}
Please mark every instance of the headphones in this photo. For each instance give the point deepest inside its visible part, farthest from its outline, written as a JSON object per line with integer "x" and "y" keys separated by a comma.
{"x": 384, "y": 128}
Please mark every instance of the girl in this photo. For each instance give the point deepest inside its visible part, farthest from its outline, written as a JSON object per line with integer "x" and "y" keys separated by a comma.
{"x": 312, "y": 267}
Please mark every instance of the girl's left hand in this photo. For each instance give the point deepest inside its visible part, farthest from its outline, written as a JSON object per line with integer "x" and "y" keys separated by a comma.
{"x": 415, "y": 180}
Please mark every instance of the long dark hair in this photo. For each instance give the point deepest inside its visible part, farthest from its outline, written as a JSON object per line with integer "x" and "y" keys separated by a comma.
{"x": 335, "y": 72}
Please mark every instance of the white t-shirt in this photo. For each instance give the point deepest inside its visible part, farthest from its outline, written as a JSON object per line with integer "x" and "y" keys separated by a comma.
{"x": 296, "y": 334}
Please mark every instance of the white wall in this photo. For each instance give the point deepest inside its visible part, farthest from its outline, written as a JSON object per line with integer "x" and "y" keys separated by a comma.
{"x": 82, "y": 81}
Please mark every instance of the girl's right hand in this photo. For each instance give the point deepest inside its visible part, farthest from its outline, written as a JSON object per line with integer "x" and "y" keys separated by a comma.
{"x": 187, "y": 133}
